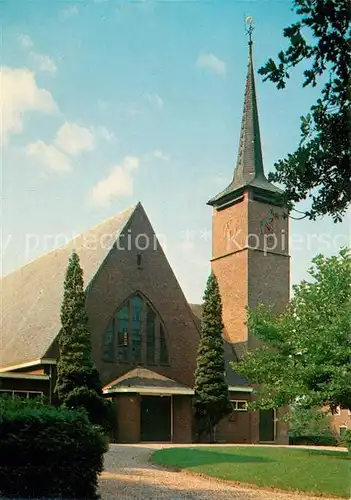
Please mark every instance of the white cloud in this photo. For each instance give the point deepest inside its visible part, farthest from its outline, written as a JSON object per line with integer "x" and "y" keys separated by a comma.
{"x": 25, "y": 41}
{"x": 118, "y": 183}
{"x": 74, "y": 139}
{"x": 212, "y": 63}
{"x": 160, "y": 155}
{"x": 43, "y": 62}
{"x": 104, "y": 133}
{"x": 70, "y": 11}
{"x": 70, "y": 141}
{"x": 19, "y": 95}
{"x": 49, "y": 156}
{"x": 155, "y": 99}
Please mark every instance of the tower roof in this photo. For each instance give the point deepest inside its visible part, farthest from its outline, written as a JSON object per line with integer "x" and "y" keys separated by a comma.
{"x": 249, "y": 169}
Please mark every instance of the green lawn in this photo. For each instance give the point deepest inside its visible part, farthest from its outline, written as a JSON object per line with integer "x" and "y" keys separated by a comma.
{"x": 314, "y": 471}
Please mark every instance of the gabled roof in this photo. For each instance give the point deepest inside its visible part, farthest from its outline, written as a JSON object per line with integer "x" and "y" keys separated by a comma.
{"x": 31, "y": 296}
{"x": 142, "y": 380}
{"x": 249, "y": 171}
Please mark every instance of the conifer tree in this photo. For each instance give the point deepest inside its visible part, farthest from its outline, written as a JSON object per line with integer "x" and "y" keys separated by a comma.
{"x": 211, "y": 389}
{"x": 78, "y": 384}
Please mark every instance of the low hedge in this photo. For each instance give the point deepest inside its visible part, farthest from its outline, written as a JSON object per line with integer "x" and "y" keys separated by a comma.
{"x": 313, "y": 440}
{"x": 48, "y": 452}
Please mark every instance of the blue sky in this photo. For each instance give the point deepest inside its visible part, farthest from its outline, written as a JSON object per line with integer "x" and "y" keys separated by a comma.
{"x": 110, "y": 102}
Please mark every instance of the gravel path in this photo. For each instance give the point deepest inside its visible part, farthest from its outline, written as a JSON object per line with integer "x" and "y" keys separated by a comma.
{"x": 130, "y": 476}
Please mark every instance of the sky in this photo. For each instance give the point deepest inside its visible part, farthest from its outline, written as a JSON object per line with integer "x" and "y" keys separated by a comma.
{"x": 109, "y": 102}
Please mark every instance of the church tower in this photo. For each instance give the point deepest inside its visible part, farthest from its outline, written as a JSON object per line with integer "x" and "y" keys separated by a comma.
{"x": 250, "y": 255}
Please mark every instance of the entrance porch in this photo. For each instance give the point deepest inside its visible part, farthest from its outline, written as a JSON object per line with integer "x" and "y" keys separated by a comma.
{"x": 151, "y": 408}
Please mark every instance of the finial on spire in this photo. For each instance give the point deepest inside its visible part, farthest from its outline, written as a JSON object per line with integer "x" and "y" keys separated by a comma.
{"x": 249, "y": 27}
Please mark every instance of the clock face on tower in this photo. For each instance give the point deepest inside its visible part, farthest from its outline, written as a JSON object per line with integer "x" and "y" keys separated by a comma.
{"x": 267, "y": 224}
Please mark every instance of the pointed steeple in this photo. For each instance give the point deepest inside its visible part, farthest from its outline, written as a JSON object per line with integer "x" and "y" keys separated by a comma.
{"x": 249, "y": 163}
{"x": 249, "y": 171}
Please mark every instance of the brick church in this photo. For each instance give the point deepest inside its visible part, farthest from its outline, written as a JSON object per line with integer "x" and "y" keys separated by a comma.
{"x": 144, "y": 333}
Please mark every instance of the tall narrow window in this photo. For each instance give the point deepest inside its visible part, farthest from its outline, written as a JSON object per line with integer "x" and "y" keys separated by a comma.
{"x": 123, "y": 325}
{"x": 108, "y": 343}
{"x": 164, "y": 360}
{"x": 136, "y": 327}
{"x": 135, "y": 334}
{"x": 150, "y": 336}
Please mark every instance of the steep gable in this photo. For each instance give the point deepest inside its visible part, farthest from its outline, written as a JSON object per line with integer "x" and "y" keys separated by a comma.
{"x": 139, "y": 267}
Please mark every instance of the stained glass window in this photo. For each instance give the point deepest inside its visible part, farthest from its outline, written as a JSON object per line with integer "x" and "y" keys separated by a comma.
{"x": 135, "y": 329}
{"x": 163, "y": 347}
{"x": 150, "y": 336}
{"x": 137, "y": 305}
{"x": 123, "y": 327}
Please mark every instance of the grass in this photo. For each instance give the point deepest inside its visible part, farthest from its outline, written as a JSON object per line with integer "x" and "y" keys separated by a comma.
{"x": 317, "y": 472}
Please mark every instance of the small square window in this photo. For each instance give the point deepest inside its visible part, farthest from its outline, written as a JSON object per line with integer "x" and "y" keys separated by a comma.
{"x": 239, "y": 405}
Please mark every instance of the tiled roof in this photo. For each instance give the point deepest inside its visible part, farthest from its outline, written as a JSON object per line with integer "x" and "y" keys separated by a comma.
{"x": 31, "y": 296}
{"x": 141, "y": 378}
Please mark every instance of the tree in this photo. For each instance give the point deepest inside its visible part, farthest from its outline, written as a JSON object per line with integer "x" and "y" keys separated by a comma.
{"x": 319, "y": 168}
{"x": 78, "y": 384}
{"x": 211, "y": 389}
{"x": 306, "y": 350}
{"x": 310, "y": 422}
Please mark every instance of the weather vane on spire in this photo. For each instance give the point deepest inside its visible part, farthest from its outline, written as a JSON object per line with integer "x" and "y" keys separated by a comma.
{"x": 249, "y": 27}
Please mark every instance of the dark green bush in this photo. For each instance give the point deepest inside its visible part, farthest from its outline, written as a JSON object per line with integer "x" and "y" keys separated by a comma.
{"x": 313, "y": 440}
{"x": 48, "y": 452}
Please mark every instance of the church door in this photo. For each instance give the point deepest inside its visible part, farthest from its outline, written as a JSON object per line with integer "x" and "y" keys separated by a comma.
{"x": 267, "y": 425}
{"x": 155, "y": 418}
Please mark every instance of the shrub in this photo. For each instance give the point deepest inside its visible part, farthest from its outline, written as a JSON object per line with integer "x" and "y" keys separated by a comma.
{"x": 346, "y": 440}
{"x": 48, "y": 452}
{"x": 313, "y": 440}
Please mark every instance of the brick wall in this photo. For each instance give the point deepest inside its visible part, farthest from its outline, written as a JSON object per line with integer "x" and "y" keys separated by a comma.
{"x": 343, "y": 419}
{"x": 235, "y": 428}
{"x": 128, "y": 418}
{"x": 250, "y": 257}
{"x": 182, "y": 419}
{"x": 251, "y": 266}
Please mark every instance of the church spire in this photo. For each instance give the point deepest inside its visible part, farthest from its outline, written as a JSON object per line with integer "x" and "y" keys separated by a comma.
{"x": 249, "y": 170}
{"x": 249, "y": 163}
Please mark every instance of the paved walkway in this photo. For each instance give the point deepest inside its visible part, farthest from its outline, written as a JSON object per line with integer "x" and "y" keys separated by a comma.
{"x": 129, "y": 475}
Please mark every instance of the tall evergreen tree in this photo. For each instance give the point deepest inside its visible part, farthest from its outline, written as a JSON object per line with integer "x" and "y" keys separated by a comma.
{"x": 78, "y": 383}
{"x": 211, "y": 389}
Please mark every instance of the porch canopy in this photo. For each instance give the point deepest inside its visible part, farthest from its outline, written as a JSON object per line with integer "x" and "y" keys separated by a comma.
{"x": 144, "y": 381}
